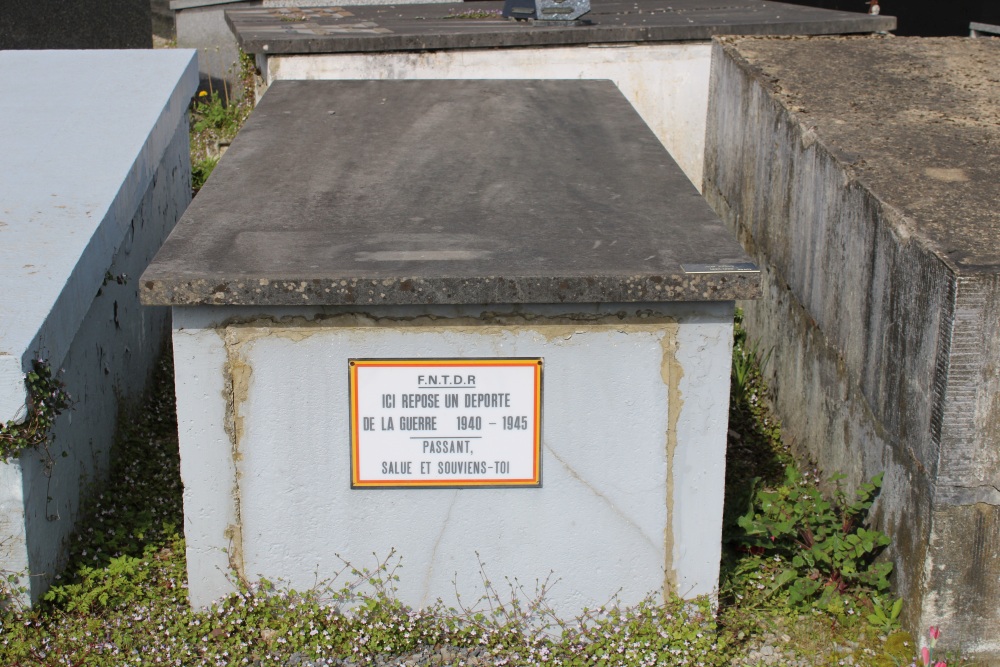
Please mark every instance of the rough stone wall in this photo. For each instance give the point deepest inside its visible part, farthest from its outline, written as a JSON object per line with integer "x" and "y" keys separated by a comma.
{"x": 880, "y": 358}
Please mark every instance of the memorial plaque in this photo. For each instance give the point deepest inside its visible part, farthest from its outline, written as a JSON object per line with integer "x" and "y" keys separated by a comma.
{"x": 445, "y": 422}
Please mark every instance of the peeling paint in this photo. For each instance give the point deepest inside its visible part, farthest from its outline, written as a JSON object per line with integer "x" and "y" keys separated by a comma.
{"x": 234, "y": 533}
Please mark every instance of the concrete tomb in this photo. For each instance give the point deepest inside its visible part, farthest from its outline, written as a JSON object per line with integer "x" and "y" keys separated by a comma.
{"x": 201, "y": 24}
{"x": 869, "y": 201}
{"x": 657, "y": 53}
{"x": 95, "y": 172}
{"x": 468, "y": 321}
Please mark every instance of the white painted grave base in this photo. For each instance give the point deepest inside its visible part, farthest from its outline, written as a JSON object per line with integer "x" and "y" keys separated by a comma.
{"x": 667, "y": 83}
{"x": 634, "y": 418}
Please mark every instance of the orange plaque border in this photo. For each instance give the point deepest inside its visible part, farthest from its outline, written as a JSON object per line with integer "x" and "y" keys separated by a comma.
{"x": 357, "y": 483}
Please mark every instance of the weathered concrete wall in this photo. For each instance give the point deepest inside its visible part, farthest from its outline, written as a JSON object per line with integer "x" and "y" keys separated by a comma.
{"x": 666, "y": 83}
{"x": 201, "y": 24}
{"x": 885, "y": 353}
{"x": 633, "y": 443}
{"x": 78, "y": 227}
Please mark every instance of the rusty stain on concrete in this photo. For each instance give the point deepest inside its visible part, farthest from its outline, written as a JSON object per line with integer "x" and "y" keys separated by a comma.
{"x": 239, "y": 331}
{"x": 671, "y": 372}
{"x": 237, "y": 375}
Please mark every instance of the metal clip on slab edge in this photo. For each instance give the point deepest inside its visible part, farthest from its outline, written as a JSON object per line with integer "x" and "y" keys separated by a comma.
{"x": 548, "y": 12}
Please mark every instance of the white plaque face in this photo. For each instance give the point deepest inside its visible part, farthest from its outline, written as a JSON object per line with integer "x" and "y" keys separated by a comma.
{"x": 445, "y": 422}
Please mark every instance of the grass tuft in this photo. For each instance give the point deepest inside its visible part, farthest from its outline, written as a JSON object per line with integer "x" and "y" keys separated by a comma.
{"x": 216, "y": 118}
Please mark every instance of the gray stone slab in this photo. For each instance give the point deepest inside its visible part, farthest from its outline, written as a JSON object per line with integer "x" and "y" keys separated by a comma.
{"x": 201, "y": 24}
{"x": 983, "y": 29}
{"x": 449, "y": 192}
{"x": 435, "y": 26}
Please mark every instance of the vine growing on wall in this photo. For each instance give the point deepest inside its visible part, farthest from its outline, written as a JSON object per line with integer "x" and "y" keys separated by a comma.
{"x": 47, "y": 399}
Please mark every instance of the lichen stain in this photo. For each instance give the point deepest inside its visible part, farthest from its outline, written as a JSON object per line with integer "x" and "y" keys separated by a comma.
{"x": 948, "y": 175}
{"x": 238, "y": 332}
{"x": 237, "y": 374}
{"x": 671, "y": 372}
{"x": 234, "y": 533}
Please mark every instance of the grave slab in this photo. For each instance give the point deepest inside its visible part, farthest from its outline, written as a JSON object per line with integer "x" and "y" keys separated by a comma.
{"x": 419, "y": 224}
{"x": 656, "y": 52}
{"x": 573, "y": 184}
{"x": 95, "y": 172}
{"x": 869, "y": 201}
{"x": 410, "y": 27}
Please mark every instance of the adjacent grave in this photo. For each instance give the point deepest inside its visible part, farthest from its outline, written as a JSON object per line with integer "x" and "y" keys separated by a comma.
{"x": 656, "y": 52}
{"x": 870, "y": 202}
{"x": 95, "y": 171}
{"x": 201, "y": 24}
{"x": 471, "y": 323}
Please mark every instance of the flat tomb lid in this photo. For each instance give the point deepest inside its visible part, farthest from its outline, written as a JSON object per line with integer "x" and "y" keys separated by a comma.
{"x": 418, "y": 27}
{"x": 447, "y": 192}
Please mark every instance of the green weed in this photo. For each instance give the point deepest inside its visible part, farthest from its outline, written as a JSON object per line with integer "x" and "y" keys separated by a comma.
{"x": 201, "y": 170}
{"x": 885, "y": 613}
{"x": 47, "y": 399}
{"x": 216, "y": 118}
{"x": 829, "y": 555}
{"x": 210, "y": 112}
